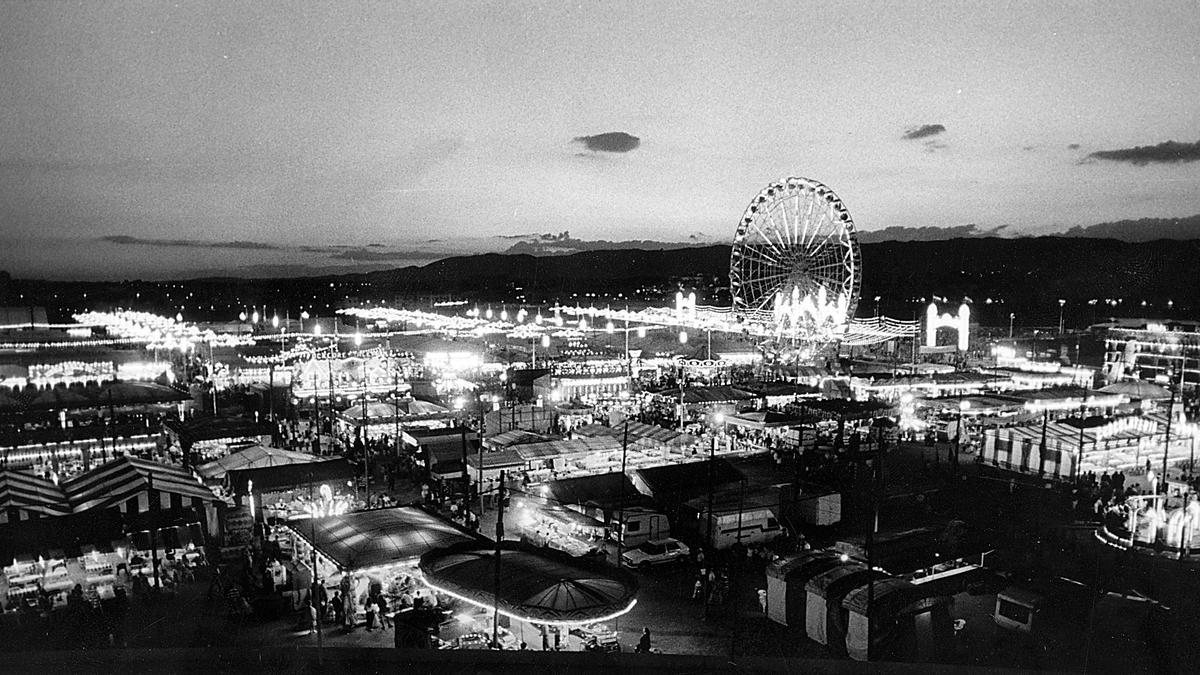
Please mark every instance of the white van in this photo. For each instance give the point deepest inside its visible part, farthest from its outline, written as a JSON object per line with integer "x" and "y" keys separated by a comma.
{"x": 641, "y": 525}
{"x": 758, "y": 526}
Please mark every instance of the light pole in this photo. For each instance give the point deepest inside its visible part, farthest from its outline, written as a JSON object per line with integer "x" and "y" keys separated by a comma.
{"x": 963, "y": 407}
{"x": 1011, "y": 317}
{"x": 1061, "y": 304}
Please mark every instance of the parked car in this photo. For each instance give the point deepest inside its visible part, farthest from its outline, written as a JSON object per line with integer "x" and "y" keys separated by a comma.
{"x": 655, "y": 552}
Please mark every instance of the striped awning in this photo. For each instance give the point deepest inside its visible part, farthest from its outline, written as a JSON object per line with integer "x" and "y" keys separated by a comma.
{"x": 124, "y": 478}
{"x": 32, "y": 494}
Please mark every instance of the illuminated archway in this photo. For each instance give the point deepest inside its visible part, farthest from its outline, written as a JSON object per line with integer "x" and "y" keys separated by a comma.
{"x": 960, "y": 323}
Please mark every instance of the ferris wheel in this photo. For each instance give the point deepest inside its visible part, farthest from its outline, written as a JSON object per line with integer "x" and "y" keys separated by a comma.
{"x": 795, "y": 268}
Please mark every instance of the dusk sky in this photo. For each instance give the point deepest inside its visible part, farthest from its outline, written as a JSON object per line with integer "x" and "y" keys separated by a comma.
{"x": 346, "y": 122}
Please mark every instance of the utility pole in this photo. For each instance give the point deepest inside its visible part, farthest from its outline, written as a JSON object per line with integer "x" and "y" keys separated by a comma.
{"x": 736, "y": 570}
{"x": 314, "y": 598}
{"x": 155, "y": 510}
{"x": 877, "y": 474}
{"x": 621, "y": 501}
{"x": 712, "y": 456}
{"x": 501, "y": 494}
{"x": 366, "y": 449}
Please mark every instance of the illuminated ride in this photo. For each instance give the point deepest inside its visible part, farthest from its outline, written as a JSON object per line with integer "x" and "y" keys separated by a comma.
{"x": 1154, "y": 524}
{"x": 795, "y": 269}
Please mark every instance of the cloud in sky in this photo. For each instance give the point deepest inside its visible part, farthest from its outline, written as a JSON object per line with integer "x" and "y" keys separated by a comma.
{"x": 1073, "y": 146}
{"x": 126, "y": 240}
{"x": 923, "y": 131}
{"x": 613, "y": 141}
{"x": 928, "y": 233}
{"x": 1167, "y": 152}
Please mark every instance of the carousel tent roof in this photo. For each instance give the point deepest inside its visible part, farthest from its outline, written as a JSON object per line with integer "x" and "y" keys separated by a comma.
{"x": 25, "y": 491}
{"x": 762, "y": 419}
{"x": 1137, "y": 389}
{"x": 419, "y": 407}
{"x": 279, "y": 477}
{"x": 535, "y": 584}
{"x": 253, "y": 457}
{"x": 114, "y": 482}
{"x": 60, "y": 398}
{"x": 375, "y": 410}
{"x": 135, "y": 393}
{"x": 365, "y": 539}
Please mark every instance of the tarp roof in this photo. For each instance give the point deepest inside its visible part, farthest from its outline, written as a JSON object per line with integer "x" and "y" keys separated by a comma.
{"x": 288, "y": 476}
{"x": 365, "y": 539}
{"x": 513, "y": 437}
{"x": 715, "y": 394}
{"x": 638, "y": 431}
{"x": 535, "y": 584}
{"x": 684, "y": 481}
{"x": 891, "y": 595}
{"x": 496, "y": 459}
{"x": 601, "y": 490}
{"x": 215, "y": 428}
{"x": 253, "y": 457}
{"x": 795, "y": 564}
{"x": 576, "y": 446}
{"x": 844, "y": 408}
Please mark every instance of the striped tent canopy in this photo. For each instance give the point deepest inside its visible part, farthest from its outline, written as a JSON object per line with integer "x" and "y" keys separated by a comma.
{"x": 253, "y": 457}
{"x": 25, "y": 495}
{"x": 125, "y": 478}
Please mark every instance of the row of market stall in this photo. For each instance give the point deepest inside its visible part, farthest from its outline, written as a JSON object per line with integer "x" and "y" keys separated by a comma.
{"x": 99, "y": 529}
{"x": 857, "y": 611}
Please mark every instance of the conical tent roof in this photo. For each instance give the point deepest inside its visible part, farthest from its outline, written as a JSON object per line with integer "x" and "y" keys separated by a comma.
{"x": 59, "y": 398}
{"x": 375, "y": 410}
{"x": 539, "y": 585}
{"x": 254, "y": 457}
{"x": 1137, "y": 389}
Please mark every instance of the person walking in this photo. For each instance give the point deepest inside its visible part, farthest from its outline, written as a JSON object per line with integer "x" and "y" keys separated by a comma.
{"x": 339, "y": 609}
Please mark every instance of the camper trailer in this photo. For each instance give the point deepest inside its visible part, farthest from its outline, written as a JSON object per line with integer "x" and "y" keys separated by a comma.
{"x": 641, "y": 525}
